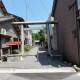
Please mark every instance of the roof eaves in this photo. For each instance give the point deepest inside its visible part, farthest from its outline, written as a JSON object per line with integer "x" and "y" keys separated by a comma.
{"x": 3, "y": 8}
{"x": 20, "y": 18}
{"x": 54, "y": 7}
{"x": 5, "y": 18}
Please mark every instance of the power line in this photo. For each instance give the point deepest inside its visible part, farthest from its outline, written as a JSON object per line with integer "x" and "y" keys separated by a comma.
{"x": 26, "y": 3}
{"x": 14, "y": 7}
{"x": 48, "y": 2}
{"x": 31, "y": 12}
{"x": 28, "y": 7}
{"x": 44, "y": 7}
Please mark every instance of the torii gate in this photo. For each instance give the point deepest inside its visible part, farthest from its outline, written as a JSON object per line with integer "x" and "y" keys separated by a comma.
{"x": 35, "y": 23}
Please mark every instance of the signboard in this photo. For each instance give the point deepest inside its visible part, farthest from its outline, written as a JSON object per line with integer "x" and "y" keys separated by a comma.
{"x": 3, "y": 31}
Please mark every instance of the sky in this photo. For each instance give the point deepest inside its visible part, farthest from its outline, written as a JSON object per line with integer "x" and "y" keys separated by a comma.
{"x": 78, "y": 4}
{"x": 30, "y": 10}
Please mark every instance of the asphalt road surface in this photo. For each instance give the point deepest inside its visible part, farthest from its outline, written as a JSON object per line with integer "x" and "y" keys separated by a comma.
{"x": 35, "y": 76}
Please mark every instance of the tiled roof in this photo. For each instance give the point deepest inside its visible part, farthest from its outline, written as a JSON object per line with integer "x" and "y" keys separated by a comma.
{"x": 6, "y": 18}
{"x": 54, "y": 7}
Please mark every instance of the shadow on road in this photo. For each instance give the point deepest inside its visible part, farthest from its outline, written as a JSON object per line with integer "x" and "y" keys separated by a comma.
{"x": 41, "y": 49}
{"x": 43, "y": 76}
{"x": 49, "y": 61}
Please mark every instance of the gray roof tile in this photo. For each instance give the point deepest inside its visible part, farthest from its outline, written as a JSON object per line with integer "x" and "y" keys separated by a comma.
{"x": 6, "y": 18}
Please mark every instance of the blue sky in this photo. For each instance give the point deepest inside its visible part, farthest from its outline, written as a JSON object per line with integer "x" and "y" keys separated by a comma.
{"x": 78, "y": 4}
{"x": 37, "y": 10}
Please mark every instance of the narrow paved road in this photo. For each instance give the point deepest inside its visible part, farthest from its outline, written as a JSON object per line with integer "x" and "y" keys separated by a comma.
{"x": 30, "y": 62}
{"x": 43, "y": 76}
{"x": 28, "y": 68}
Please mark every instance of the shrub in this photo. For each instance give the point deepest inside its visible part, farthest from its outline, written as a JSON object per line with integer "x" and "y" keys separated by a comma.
{"x": 27, "y": 47}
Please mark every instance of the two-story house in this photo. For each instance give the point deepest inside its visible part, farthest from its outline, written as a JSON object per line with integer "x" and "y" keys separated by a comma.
{"x": 8, "y": 32}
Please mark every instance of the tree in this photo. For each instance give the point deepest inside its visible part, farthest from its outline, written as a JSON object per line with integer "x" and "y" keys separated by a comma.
{"x": 35, "y": 36}
{"x": 41, "y": 35}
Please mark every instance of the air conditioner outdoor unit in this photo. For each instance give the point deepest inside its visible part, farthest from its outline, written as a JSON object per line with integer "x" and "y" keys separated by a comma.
{"x": 3, "y": 31}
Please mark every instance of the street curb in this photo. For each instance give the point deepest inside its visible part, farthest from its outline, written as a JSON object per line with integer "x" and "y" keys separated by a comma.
{"x": 36, "y": 71}
{"x": 76, "y": 68}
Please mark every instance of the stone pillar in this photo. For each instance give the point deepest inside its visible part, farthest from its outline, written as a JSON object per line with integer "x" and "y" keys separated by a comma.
{"x": 48, "y": 38}
{"x": 1, "y": 54}
{"x": 22, "y": 40}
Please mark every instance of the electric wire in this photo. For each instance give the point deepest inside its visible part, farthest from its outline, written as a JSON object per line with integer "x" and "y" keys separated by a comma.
{"x": 31, "y": 12}
{"x": 44, "y": 7}
{"x": 14, "y": 7}
{"x": 26, "y": 3}
{"x": 28, "y": 8}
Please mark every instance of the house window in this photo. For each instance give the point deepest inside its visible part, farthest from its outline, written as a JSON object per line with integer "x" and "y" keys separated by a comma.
{"x": 15, "y": 39}
{"x": 7, "y": 39}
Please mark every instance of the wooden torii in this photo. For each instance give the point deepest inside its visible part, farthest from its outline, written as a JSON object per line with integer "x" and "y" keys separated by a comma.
{"x": 35, "y": 23}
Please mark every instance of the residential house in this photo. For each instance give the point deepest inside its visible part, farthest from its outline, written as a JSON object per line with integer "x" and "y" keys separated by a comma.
{"x": 53, "y": 37}
{"x": 27, "y": 34}
{"x": 29, "y": 37}
{"x": 8, "y": 32}
{"x": 18, "y": 28}
{"x": 66, "y": 13}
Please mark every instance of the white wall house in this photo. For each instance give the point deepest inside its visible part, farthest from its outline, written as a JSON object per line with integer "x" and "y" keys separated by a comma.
{"x": 8, "y": 32}
{"x": 29, "y": 37}
{"x": 53, "y": 34}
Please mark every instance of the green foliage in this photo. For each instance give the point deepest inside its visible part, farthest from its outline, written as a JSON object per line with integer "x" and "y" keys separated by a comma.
{"x": 27, "y": 48}
{"x": 41, "y": 32}
{"x": 41, "y": 35}
{"x": 35, "y": 36}
{"x": 38, "y": 36}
